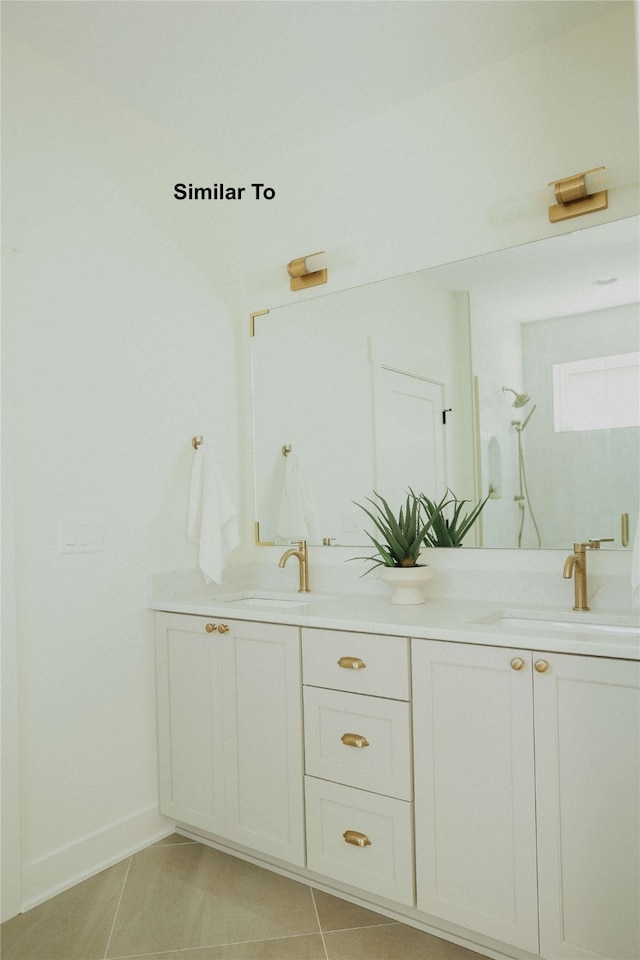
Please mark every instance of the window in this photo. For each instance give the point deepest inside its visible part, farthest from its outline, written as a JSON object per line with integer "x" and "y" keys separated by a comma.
{"x": 597, "y": 394}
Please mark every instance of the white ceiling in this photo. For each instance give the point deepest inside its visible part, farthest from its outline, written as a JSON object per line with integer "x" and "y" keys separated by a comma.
{"x": 228, "y": 76}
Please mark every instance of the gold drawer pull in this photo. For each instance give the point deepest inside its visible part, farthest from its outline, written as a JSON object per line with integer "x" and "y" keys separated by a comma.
{"x": 354, "y": 740}
{"x": 357, "y": 839}
{"x": 541, "y": 666}
{"x": 210, "y": 627}
{"x": 517, "y": 663}
{"x": 223, "y": 628}
{"x": 351, "y": 663}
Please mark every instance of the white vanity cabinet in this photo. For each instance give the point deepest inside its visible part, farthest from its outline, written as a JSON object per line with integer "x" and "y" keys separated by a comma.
{"x": 358, "y": 782}
{"x": 526, "y": 779}
{"x": 230, "y": 730}
{"x": 587, "y": 734}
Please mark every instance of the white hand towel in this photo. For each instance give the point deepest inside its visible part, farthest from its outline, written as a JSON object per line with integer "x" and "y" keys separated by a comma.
{"x": 213, "y": 523}
{"x": 295, "y": 521}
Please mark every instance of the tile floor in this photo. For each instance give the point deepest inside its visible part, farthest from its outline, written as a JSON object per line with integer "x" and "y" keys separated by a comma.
{"x": 181, "y": 900}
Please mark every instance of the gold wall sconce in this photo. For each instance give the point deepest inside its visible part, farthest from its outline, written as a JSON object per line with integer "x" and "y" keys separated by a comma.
{"x": 302, "y": 277}
{"x": 573, "y": 198}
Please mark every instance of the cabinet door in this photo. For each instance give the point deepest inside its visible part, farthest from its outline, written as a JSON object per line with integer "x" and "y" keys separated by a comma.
{"x": 587, "y": 723}
{"x": 189, "y": 693}
{"x": 474, "y": 789}
{"x": 263, "y": 739}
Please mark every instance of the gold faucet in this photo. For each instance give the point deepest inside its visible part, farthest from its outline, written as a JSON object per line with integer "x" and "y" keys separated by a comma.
{"x": 576, "y": 565}
{"x": 302, "y": 555}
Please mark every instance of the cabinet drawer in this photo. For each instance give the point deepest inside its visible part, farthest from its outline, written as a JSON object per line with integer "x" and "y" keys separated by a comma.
{"x": 356, "y": 662}
{"x": 379, "y": 858}
{"x": 359, "y": 741}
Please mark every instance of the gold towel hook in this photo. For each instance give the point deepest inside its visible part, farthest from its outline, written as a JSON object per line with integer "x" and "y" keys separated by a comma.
{"x": 196, "y": 441}
{"x": 286, "y": 450}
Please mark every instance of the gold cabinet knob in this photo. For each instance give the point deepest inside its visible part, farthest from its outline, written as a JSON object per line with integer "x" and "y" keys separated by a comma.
{"x": 354, "y": 740}
{"x": 351, "y": 663}
{"x": 517, "y": 663}
{"x": 541, "y": 666}
{"x": 223, "y": 628}
{"x": 210, "y": 627}
{"x": 357, "y": 839}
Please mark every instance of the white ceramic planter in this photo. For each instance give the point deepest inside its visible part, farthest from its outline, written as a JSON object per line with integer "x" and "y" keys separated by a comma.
{"x": 406, "y": 583}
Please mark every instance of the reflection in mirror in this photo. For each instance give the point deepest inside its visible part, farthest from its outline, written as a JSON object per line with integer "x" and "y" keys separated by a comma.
{"x": 490, "y": 375}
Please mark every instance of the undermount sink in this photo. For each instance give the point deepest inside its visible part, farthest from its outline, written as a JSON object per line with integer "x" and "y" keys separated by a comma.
{"x": 581, "y": 622}
{"x": 273, "y": 601}
{"x": 570, "y": 625}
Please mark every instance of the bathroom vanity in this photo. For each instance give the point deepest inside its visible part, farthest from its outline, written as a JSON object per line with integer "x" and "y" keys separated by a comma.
{"x": 467, "y": 769}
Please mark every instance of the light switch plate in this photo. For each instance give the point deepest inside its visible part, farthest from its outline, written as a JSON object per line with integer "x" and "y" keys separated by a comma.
{"x": 81, "y": 535}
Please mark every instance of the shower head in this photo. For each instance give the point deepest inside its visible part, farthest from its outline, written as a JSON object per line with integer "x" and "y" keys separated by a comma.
{"x": 520, "y": 398}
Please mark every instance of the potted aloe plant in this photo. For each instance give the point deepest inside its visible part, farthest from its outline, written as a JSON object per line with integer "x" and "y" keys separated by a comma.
{"x": 400, "y": 539}
{"x": 448, "y": 524}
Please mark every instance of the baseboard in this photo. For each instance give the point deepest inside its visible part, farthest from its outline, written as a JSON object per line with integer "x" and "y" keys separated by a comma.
{"x": 65, "y": 867}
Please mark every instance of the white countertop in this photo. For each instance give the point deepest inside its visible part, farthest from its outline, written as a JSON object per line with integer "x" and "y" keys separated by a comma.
{"x": 600, "y": 634}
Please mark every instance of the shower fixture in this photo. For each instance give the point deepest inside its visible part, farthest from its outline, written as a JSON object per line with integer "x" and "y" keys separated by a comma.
{"x": 522, "y": 497}
{"x": 520, "y": 398}
{"x": 517, "y": 424}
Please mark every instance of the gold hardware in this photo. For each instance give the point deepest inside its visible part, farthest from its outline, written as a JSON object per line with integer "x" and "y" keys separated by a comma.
{"x": 223, "y": 628}
{"x": 210, "y": 627}
{"x": 595, "y": 544}
{"x": 517, "y": 663}
{"x": 302, "y": 555}
{"x": 301, "y": 277}
{"x": 252, "y": 321}
{"x": 572, "y": 197}
{"x": 256, "y": 536}
{"x": 286, "y": 450}
{"x": 357, "y": 839}
{"x": 624, "y": 529}
{"x": 327, "y": 541}
{"x": 354, "y": 740}
{"x": 541, "y": 666}
{"x": 351, "y": 663}
{"x": 196, "y": 442}
{"x": 576, "y": 565}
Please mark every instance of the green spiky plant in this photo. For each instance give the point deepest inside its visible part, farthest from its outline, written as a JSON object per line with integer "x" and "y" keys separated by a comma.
{"x": 402, "y": 536}
{"x": 448, "y": 524}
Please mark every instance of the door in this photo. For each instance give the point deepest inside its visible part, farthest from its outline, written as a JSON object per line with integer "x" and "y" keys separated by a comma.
{"x": 474, "y": 789}
{"x": 409, "y": 435}
{"x": 587, "y": 720}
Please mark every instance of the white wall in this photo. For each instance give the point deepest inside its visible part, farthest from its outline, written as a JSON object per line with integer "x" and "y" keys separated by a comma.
{"x": 116, "y": 351}
{"x": 119, "y": 347}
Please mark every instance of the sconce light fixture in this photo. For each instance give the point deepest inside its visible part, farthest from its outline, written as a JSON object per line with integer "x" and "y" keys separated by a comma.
{"x": 303, "y": 277}
{"x": 574, "y": 199}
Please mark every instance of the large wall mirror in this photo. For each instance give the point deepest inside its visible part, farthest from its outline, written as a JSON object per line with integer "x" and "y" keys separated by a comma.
{"x": 514, "y": 374}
